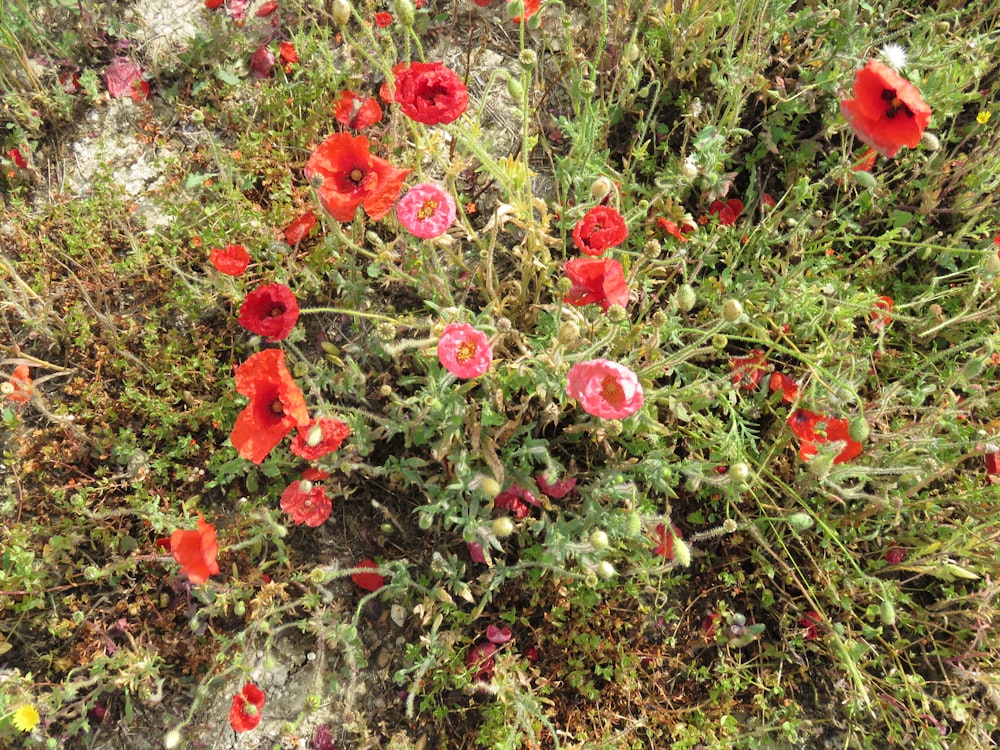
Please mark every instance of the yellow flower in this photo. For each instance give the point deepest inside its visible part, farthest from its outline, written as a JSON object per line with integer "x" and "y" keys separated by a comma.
{"x": 26, "y": 718}
{"x": 983, "y": 117}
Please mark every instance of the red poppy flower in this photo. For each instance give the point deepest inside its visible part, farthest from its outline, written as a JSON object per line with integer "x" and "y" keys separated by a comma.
{"x": 728, "y": 211}
{"x": 352, "y": 177}
{"x": 140, "y": 90}
{"x": 196, "y": 551}
{"x": 481, "y": 659}
{"x": 811, "y": 621}
{"x": 383, "y": 20}
{"x": 261, "y": 62}
{"x": 232, "y": 261}
{"x": 356, "y": 112}
{"x": 531, "y": 7}
{"x": 887, "y": 112}
{"x": 784, "y": 383}
{"x": 19, "y": 386}
{"x": 880, "y": 313}
{"x": 894, "y": 555}
{"x": 515, "y": 499}
{"x": 671, "y": 228}
{"x": 300, "y": 228}
{"x": 287, "y": 55}
{"x": 427, "y": 92}
{"x": 213, "y": 4}
{"x": 665, "y": 548}
{"x": 267, "y": 9}
{"x": 598, "y": 281}
{"x": 556, "y": 490}
{"x": 602, "y": 227}
{"x": 245, "y": 713}
{"x": 306, "y": 503}
{"x": 747, "y": 372}
{"x": 319, "y": 437}
{"x": 270, "y": 310}
{"x": 482, "y": 3}
{"x": 276, "y": 406}
{"x": 992, "y": 463}
{"x": 814, "y": 429}
{"x": 368, "y": 581}
{"x": 15, "y": 156}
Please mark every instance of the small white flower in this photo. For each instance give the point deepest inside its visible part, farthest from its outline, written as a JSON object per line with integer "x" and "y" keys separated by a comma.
{"x": 895, "y": 56}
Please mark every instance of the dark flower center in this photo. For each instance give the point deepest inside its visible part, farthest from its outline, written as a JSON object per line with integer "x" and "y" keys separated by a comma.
{"x": 277, "y": 311}
{"x": 895, "y": 104}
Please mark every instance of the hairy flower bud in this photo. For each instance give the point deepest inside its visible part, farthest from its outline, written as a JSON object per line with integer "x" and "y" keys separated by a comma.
{"x": 489, "y": 486}
{"x": 686, "y": 298}
{"x": 858, "y": 429}
{"x": 605, "y": 570}
{"x": 503, "y": 527}
{"x": 404, "y": 12}
{"x": 732, "y": 310}
{"x": 600, "y": 187}
{"x": 599, "y": 539}
{"x": 341, "y": 12}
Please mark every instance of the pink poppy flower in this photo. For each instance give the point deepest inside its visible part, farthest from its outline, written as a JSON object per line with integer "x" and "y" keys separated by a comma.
{"x": 481, "y": 659}
{"x": 605, "y": 389}
{"x": 427, "y": 210}
{"x": 557, "y": 489}
{"x": 261, "y": 62}
{"x": 124, "y": 78}
{"x": 464, "y": 351}
{"x": 306, "y": 503}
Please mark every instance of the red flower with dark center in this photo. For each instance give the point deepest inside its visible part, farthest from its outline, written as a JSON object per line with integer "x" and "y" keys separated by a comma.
{"x": 300, "y": 228}
{"x": 306, "y": 503}
{"x": 232, "y": 261}
{"x": 784, "y": 383}
{"x": 319, "y": 437}
{"x": 383, "y": 20}
{"x": 270, "y": 310}
{"x": 352, "y": 177}
{"x": 728, "y": 211}
{"x": 599, "y": 281}
{"x": 602, "y": 227}
{"x": 814, "y": 429}
{"x": 747, "y": 372}
{"x": 276, "y": 405}
{"x": 245, "y": 713}
{"x": 887, "y": 112}
{"x": 368, "y": 581}
{"x": 356, "y": 112}
{"x": 196, "y": 551}
{"x": 665, "y": 548}
{"x": 430, "y": 93}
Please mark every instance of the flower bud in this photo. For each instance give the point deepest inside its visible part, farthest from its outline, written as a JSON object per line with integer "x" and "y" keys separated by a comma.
{"x": 866, "y": 180}
{"x": 686, "y": 298}
{"x": 600, "y": 187}
{"x": 858, "y": 429}
{"x": 172, "y": 739}
{"x": 689, "y": 168}
{"x": 888, "y": 613}
{"x": 515, "y": 8}
{"x": 514, "y": 88}
{"x": 991, "y": 263}
{"x": 489, "y": 486}
{"x": 599, "y": 539}
{"x": 931, "y": 142}
{"x": 682, "y": 552}
{"x": 569, "y": 333}
{"x": 799, "y": 521}
{"x": 503, "y": 527}
{"x": 240, "y": 608}
{"x": 634, "y": 524}
{"x": 732, "y": 310}
{"x": 819, "y": 466}
{"x": 974, "y": 368}
{"x": 404, "y": 12}
{"x": 739, "y": 472}
{"x": 341, "y": 12}
{"x": 605, "y": 570}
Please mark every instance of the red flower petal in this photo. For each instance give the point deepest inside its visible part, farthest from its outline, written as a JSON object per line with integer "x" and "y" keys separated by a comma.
{"x": 368, "y": 581}
{"x": 887, "y": 112}
{"x": 232, "y": 261}
{"x": 196, "y": 551}
{"x": 599, "y": 281}
{"x": 270, "y": 311}
{"x": 276, "y": 406}
{"x": 300, "y": 228}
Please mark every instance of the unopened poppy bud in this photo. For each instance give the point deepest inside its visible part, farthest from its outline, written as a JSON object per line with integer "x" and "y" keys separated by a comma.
{"x": 974, "y": 368}
{"x": 341, "y": 12}
{"x": 732, "y": 310}
{"x": 404, "y": 12}
{"x": 866, "y": 180}
{"x": 599, "y": 539}
{"x": 600, "y": 187}
{"x": 686, "y": 298}
{"x": 858, "y": 430}
{"x": 514, "y": 88}
{"x": 515, "y": 8}
{"x": 489, "y": 486}
{"x": 888, "y": 613}
{"x": 631, "y": 52}
{"x": 739, "y": 472}
{"x": 528, "y": 59}
{"x": 991, "y": 263}
{"x": 425, "y": 521}
{"x": 569, "y": 333}
{"x": 682, "y": 552}
{"x": 931, "y": 142}
{"x": 172, "y": 739}
{"x": 605, "y": 570}
{"x": 503, "y": 527}
{"x": 634, "y": 524}
{"x": 819, "y": 466}
{"x": 689, "y": 168}
{"x": 799, "y": 521}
